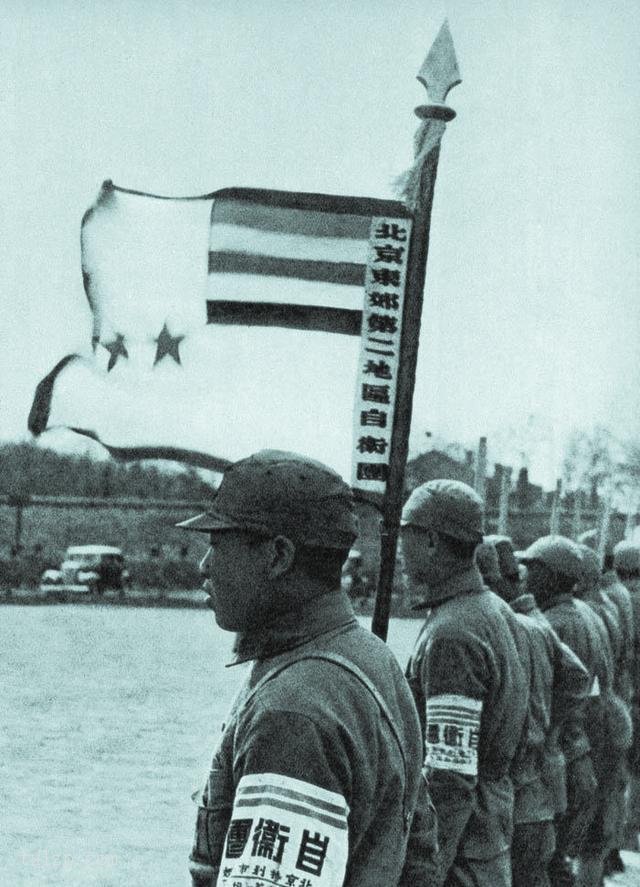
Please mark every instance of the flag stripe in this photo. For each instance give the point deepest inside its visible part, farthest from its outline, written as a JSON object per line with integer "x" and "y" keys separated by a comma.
{"x": 288, "y": 244}
{"x": 324, "y": 203}
{"x": 282, "y": 220}
{"x": 229, "y": 261}
{"x": 282, "y": 290}
{"x": 298, "y": 317}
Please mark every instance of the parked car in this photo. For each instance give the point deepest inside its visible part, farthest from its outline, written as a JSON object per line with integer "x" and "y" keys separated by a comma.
{"x": 92, "y": 568}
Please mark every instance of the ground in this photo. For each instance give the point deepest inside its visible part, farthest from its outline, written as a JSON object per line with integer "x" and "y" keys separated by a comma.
{"x": 631, "y": 876}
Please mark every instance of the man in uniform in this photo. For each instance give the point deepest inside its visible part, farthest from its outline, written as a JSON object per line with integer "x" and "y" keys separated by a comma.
{"x": 616, "y": 608}
{"x": 626, "y": 562}
{"x": 554, "y": 567}
{"x": 559, "y": 686}
{"x": 470, "y": 685}
{"x": 508, "y": 565}
{"x": 315, "y": 777}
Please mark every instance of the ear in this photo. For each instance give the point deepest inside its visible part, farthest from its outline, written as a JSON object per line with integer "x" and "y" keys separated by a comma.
{"x": 431, "y": 539}
{"x": 283, "y": 553}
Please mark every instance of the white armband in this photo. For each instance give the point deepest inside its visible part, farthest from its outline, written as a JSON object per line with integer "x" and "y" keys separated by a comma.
{"x": 286, "y": 832}
{"x": 453, "y": 733}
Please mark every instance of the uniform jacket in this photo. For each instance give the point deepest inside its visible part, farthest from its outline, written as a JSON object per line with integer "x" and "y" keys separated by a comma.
{"x": 582, "y": 629}
{"x": 633, "y": 587}
{"x": 602, "y": 604}
{"x": 559, "y": 686}
{"x": 471, "y": 689}
{"x": 607, "y": 725}
{"x": 317, "y": 771}
{"x": 622, "y": 600}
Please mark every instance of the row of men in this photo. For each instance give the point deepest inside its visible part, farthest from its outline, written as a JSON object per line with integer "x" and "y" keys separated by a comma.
{"x": 587, "y": 761}
{"x": 497, "y": 759}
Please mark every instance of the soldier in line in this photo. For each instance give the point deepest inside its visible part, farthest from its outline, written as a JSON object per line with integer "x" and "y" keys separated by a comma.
{"x": 508, "y": 566}
{"x": 609, "y": 829}
{"x": 470, "y": 685}
{"x": 559, "y": 686}
{"x": 554, "y": 566}
{"x": 614, "y": 596}
{"x": 317, "y": 771}
{"x": 626, "y": 562}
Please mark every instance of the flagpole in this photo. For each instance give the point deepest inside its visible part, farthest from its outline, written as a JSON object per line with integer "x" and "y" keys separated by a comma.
{"x": 439, "y": 74}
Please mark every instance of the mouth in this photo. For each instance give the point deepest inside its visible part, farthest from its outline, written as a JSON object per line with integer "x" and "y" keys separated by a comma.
{"x": 208, "y": 590}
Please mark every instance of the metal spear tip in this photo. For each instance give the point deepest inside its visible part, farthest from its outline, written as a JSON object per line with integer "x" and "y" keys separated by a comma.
{"x": 440, "y": 73}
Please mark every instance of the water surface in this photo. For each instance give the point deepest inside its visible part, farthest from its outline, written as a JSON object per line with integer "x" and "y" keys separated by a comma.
{"x": 109, "y": 718}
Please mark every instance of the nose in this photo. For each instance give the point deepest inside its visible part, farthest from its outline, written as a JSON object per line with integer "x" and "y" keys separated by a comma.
{"x": 205, "y": 562}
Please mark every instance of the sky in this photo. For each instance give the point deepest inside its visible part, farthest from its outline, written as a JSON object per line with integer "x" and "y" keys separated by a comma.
{"x": 531, "y": 302}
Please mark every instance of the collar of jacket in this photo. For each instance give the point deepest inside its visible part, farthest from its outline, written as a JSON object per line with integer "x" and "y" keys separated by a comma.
{"x": 468, "y": 581}
{"x": 326, "y": 613}
{"x": 524, "y": 603}
{"x": 609, "y": 579}
{"x": 556, "y": 601}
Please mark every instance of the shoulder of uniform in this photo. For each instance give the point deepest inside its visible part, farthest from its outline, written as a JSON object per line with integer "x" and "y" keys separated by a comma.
{"x": 308, "y": 685}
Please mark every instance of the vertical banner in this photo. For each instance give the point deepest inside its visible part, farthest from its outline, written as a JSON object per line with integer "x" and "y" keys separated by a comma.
{"x": 376, "y": 383}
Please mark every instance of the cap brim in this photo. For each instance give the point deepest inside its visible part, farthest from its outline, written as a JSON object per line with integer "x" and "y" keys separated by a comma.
{"x": 207, "y": 522}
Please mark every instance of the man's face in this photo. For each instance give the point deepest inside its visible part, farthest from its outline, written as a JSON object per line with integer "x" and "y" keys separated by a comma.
{"x": 416, "y": 550}
{"x": 538, "y": 581}
{"x": 235, "y": 569}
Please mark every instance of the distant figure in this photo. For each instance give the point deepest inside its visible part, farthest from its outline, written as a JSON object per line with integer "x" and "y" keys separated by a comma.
{"x": 317, "y": 771}
{"x": 509, "y": 568}
{"x": 587, "y": 830}
{"x": 626, "y": 562}
{"x": 615, "y": 605}
{"x": 357, "y": 581}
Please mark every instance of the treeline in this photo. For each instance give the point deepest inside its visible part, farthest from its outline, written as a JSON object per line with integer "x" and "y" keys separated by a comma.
{"x": 29, "y": 470}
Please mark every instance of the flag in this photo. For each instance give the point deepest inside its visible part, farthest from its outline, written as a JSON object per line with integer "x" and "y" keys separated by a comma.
{"x": 235, "y": 321}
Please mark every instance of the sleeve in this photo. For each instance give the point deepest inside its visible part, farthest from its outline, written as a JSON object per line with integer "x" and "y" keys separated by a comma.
{"x": 421, "y": 861}
{"x": 455, "y": 678}
{"x": 289, "y": 819}
{"x": 570, "y": 692}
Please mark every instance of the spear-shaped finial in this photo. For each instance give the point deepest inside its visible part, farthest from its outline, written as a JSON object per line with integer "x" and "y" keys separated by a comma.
{"x": 439, "y": 74}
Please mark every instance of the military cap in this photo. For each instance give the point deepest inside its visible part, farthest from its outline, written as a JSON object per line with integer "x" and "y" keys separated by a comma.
{"x": 591, "y": 568}
{"x": 506, "y": 557}
{"x": 558, "y": 553}
{"x": 277, "y": 492}
{"x": 487, "y": 561}
{"x": 592, "y": 539}
{"x": 589, "y": 538}
{"x": 449, "y": 506}
{"x": 626, "y": 556}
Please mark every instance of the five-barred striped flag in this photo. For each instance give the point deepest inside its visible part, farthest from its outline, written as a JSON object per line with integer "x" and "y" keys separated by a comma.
{"x": 234, "y": 321}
